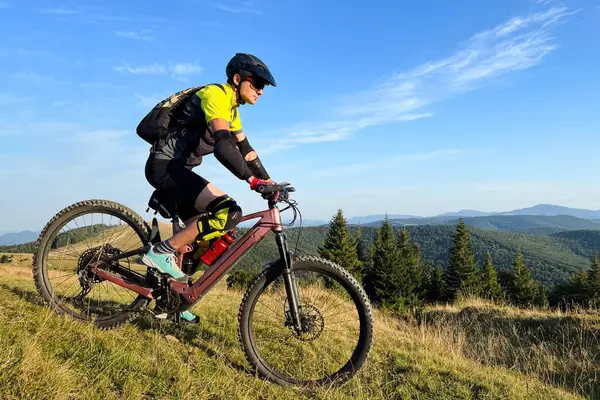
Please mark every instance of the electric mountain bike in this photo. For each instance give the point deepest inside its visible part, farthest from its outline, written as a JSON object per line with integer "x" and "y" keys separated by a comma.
{"x": 303, "y": 320}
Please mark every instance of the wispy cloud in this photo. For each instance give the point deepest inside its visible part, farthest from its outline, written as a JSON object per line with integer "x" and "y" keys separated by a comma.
{"x": 9, "y": 98}
{"x": 179, "y": 71}
{"x": 4, "y": 4}
{"x": 63, "y": 11}
{"x": 518, "y": 44}
{"x": 90, "y": 14}
{"x": 36, "y": 78}
{"x": 385, "y": 164}
{"x": 147, "y": 101}
{"x": 143, "y": 35}
{"x": 244, "y": 7}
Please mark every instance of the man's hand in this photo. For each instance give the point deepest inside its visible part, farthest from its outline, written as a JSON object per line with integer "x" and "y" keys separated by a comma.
{"x": 256, "y": 183}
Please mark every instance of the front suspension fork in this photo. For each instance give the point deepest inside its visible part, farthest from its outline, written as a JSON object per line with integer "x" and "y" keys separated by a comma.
{"x": 289, "y": 280}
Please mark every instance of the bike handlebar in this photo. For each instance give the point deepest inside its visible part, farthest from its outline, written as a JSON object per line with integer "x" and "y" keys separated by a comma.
{"x": 283, "y": 188}
{"x": 280, "y": 187}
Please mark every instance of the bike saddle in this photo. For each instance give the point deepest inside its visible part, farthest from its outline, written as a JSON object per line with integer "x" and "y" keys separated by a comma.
{"x": 162, "y": 203}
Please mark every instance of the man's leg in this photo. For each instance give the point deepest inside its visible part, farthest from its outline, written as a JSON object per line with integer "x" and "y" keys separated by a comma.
{"x": 191, "y": 231}
{"x": 193, "y": 193}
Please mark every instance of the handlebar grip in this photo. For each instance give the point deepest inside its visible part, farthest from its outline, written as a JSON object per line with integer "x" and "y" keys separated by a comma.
{"x": 269, "y": 188}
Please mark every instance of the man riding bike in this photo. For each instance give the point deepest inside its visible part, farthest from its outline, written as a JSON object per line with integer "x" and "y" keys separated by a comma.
{"x": 208, "y": 122}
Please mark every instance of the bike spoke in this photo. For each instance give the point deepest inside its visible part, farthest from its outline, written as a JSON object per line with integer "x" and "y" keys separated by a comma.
{"x": 331, "y": 336}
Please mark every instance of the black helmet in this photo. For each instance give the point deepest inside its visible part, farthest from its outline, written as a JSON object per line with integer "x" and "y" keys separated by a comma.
{"x": 249, "y": 65}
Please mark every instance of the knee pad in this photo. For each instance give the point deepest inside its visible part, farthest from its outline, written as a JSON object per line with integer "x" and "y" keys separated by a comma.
{"x": 225, "y": 214}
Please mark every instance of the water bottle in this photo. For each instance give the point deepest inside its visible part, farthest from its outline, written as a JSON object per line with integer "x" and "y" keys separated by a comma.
{"x": 218, "y": 247}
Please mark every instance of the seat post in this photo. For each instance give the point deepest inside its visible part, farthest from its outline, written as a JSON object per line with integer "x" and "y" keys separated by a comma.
{"x": 177, "y": 224}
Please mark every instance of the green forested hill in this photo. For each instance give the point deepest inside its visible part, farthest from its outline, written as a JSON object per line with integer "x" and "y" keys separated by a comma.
{"x": 552, "y": 258}
{"x": 551, "y": 224}
{"x": 582, "y": 242}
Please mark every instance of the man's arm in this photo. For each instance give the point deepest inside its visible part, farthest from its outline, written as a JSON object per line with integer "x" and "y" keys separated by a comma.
{"x": 226, "y": 151}
{"x": 250, "y": 156}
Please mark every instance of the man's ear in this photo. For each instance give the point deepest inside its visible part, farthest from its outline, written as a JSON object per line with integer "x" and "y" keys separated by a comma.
{"x": 237, "y": 79}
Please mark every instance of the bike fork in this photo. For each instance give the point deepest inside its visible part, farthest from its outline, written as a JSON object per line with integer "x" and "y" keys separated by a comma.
{"x": 290, "y": 281}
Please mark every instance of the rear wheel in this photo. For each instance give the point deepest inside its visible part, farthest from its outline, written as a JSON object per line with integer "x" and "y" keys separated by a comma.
{"x": 337, "y": 325}
{"x": 77, "y": 236}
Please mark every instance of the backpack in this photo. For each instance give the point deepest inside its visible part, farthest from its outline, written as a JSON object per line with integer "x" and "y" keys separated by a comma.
{"x": 156, "y": 124}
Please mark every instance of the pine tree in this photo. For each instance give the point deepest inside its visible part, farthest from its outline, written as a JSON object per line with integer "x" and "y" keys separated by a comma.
{"x": 489, "y": 283}
{"x": 340, "y": 248}
{"x": 382, "y": 280}
{"x": 462, "y": 272}
{"x": 435, "y": 284}
{"x": 593, "y": 278}
{"x": 410, "y": 264}
{"x": 523, "y": 285}
{"x": 361, "y": 248}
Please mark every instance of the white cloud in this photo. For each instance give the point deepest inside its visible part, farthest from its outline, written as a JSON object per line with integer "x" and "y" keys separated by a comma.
{"x": 518, "y": 44}
{"x": 9, "y": 98}
{"x": 179, "y": 71}
{"x": 148, "y": 101}
{"x": 62, "y": 11}
{"x": 153, "y": 69}
{"x": 36, "y": 78}
{"x": 247, "y": 7}
{"x": 143, "y": 35}
{"x": 390, "y": 163}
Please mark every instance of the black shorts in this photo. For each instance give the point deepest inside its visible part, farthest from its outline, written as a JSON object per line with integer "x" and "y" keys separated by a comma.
{"x": 179, "y": 181}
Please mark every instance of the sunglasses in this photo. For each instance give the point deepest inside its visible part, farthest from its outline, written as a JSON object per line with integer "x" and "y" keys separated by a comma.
{"x": 256, "y": 83}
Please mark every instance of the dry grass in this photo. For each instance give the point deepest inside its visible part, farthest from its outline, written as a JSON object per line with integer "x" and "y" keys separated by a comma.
{"x": 52, "y": 357}
{"x": 562, "y": 349}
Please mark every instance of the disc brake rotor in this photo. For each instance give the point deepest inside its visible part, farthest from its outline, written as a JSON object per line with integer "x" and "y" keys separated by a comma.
{"x": 311, "y": 320}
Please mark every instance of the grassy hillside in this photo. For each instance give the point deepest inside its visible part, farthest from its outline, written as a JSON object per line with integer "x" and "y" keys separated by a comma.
{"x": 46, "y": 356}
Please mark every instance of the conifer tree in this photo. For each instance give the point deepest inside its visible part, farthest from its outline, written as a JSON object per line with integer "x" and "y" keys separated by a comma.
{"x": 435, "y": 284}
{"x": 382, "y": 280}
{"x": 489, "y": 283}
{"x": 523, "y": 286}
{"x": 410, "y": 264}
{"x": 462, "y": 273}
{"x": 593, "y": 278}
{"x": 362, "y": 250}
{"x": 340, "y": 248}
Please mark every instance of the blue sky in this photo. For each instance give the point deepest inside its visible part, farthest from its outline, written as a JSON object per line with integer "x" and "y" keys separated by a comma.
{"x": 382, "y": 107}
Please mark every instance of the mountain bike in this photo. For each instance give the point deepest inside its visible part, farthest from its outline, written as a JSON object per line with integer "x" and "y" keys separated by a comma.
{"x": 303, "y": 320}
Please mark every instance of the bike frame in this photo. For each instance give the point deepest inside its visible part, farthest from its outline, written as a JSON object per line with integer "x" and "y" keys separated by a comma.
{"x": 269, "y": 220}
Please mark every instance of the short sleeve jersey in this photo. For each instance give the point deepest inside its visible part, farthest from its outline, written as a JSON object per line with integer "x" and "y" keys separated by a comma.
{"x": 218, "y": 103}
{"x": 191, "y": 138}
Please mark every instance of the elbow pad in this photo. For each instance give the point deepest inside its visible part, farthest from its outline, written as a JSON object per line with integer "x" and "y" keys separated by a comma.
{"x": 244, "y": 147}
{"x": 227, "y": 154}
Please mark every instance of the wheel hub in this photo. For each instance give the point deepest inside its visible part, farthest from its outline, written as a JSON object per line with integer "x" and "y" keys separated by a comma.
{"x": 87, "y": 278}
{"x": 311, "y": 321}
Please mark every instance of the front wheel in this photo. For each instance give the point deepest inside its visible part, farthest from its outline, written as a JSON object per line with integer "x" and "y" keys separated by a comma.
{"x": 336, "y": 318}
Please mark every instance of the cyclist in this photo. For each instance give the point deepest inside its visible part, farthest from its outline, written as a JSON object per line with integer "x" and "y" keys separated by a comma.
{"x": 208, "y": 122}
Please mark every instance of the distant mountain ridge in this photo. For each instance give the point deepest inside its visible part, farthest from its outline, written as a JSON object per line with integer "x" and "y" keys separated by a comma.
{"x": 538, "y": 209}
{"x": 542, "y": 210}
{"x": 525, "y": 223}
{"x": 378, "y": 217}
{"x": 18, "y": 237}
